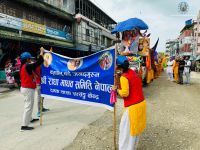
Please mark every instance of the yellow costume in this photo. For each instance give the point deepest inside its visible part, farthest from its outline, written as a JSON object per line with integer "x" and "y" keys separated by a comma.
{"x": 137, "y": 112}
{"x": 160, "y": 66}
{"x": 164, "y": 62}
{"x": 150, "y": 75}
{"x": 175, "y": 70}
{"x": 133, "y": 121}
{"x": 156, "y": 74}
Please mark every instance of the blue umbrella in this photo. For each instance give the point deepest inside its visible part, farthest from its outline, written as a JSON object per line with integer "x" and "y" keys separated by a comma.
{"x": 130, "y": 24}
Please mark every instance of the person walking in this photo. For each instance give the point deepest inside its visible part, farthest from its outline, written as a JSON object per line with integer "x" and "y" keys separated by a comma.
{"x": 170, "y": 69}
{"x": 181, "y": 69}
{"x": 28, "y": 85}
{"x": 133, "y": 121}
{"x": 175, "y": 70}
{"x": 187, "y": 70}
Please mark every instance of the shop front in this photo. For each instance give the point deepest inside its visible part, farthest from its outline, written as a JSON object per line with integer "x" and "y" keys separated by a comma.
{"x": 19, "y": 32}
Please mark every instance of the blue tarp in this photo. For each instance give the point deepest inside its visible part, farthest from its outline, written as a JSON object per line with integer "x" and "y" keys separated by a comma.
{"x": 130, "y": 24}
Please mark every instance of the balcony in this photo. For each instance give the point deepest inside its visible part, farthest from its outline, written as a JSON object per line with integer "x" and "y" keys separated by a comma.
{"x": 65, "y": 5}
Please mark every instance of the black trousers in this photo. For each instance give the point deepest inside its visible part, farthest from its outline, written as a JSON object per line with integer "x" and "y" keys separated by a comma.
{"x": 180, "y": 73}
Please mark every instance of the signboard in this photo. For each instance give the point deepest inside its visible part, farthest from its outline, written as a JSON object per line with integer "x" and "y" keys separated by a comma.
{"x": 86, "y": 80}
{"x": 10, "y": 22}
{"x": 33, "y": 27}
{"x": 28, "y": 26}
{"x": 58, "y": 34}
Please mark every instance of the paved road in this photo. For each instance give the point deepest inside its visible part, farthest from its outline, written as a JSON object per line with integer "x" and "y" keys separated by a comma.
{"x": 173, "y": 120}
{"x": 60, "y": 125}
{"x": 173, "y": 116}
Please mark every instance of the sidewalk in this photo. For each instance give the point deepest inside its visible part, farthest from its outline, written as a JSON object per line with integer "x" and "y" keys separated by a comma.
{"x": 60, "y": 125}
{"x": 4, "y": 89}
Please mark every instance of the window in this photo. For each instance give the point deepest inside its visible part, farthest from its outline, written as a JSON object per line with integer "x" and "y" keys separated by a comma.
{"x": 87, "y": 35}
{"x": 102, "y": 40}
{"x": 96, "y": 36}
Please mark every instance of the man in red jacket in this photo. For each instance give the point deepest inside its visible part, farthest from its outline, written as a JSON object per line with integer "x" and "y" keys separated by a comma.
{"x": 28, "y": 85}
{"x": 133, "y": 121}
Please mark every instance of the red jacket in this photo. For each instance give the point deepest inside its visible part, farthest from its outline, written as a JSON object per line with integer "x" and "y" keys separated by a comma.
{"x": 27, "y": 81}
{"x": 38, "y": 75}
{"x": 135, "y": 89}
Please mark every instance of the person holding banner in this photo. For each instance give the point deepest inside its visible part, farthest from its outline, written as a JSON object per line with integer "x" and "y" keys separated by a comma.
{"x": 133, "y": 121}
{"x": 37, "y": 75}
{"x": 28, "y": 85}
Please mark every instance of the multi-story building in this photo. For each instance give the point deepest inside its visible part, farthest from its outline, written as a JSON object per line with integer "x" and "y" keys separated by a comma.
{"x": 172, "y": 47}
{"x": 92, "y": 27}
{"x": 186, "y": 40}
{"x": 190, "y": 38}
{"x": 65, "y": 5}
{"x": 27, "y": 25}
{"x": 70, "y": 27}
{"x": 196, "y": 43}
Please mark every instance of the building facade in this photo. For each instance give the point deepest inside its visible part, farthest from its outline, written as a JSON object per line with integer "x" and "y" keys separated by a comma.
{"x": 190, "y": 38}
{"x": 71, "y": 27}
{"x": 92, "y": 27}
{"x": 186, "y": 41}
{"x": 27, "y": 25}
{"x": 196, "y": 33}
{"x": 172, "y": 47}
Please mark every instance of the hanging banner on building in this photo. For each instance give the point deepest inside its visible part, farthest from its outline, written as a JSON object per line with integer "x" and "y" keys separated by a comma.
{"x": 10, "y": 22}
{"x": 86, "y": 80}
{"x": 33, "y": 27}
{"x": 58, "y": 34}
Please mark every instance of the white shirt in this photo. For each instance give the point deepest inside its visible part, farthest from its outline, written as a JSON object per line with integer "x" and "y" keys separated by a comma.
{"x": 169, "y": 66}
{"x": 187, "y": 66}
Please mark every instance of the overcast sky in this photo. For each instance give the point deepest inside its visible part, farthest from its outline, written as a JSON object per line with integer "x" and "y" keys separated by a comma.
{"x": 162, "y": 16}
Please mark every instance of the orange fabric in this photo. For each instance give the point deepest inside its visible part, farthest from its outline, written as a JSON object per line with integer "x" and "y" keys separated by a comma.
{"x": 150, "y": 75}
{"x": 148, "y": 61}
{"x": 175, "y": 70}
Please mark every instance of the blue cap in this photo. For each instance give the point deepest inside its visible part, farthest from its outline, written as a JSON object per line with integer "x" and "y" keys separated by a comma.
{"x": 26, "y": 55}
{"x": 121, "y": 60}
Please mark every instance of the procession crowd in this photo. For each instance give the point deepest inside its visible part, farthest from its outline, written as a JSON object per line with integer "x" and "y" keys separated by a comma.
{"x": 177, "y": 67}
{"x": 129, "y": 87}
